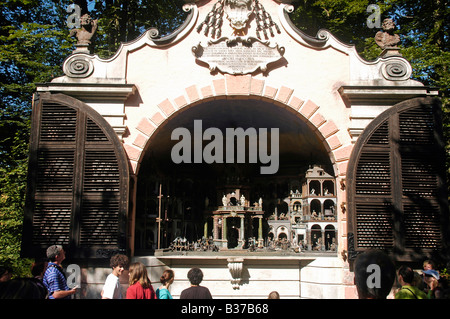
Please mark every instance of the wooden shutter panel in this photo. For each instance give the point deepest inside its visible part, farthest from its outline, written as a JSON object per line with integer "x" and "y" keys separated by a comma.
{"x": 373, "y": 176}
{"x": 101, "y": 172}
{"x": 101, "y": 190}
{"x": 55, "y": 149}
{"x": 374, "y": 225}
{"x": 78, "y": 181}
{"x": 58, "y": 123}
{"x": 396, "y": 192}
{"x": 55, "y": 170}
{"x": 373, "y": 192}
{"x": 51, "y": 222}
{"x": 420, "y": 162}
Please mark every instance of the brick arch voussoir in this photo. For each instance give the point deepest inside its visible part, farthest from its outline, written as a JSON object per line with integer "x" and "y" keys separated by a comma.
{"x": 241, "y": 87}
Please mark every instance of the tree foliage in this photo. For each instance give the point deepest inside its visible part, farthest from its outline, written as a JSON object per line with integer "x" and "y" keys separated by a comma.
{"x": 34, "y": 42}
{"x": 32, "y": 48}
{"x": 125, "y": 20}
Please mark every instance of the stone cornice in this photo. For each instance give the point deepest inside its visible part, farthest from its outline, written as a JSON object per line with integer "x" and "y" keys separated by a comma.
{"x": 384, "y": 94}
{"x": 111, "y": 92}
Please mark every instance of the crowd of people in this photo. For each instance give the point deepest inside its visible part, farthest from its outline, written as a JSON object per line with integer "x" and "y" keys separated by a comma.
{"x": 375, "y": 278}
{"x": 50, "y": 282}
{"x": 379, "y": 282}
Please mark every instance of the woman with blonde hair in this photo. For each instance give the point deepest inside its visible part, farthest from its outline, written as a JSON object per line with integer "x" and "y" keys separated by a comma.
{"x": 140, "y": 284}
{"x": 166, "y": 279}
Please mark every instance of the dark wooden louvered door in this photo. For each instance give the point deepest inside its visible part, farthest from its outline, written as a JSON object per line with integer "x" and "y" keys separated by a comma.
{"x": 396, "y": 193}
{"x": 78, "y": 181}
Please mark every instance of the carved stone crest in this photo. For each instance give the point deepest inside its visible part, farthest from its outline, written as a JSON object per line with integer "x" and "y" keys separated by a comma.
{"x": 238, "y": 12}
{"x": 240, "y": 53}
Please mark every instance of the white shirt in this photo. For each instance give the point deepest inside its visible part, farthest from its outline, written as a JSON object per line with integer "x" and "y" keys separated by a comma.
{"x": 112, "y": 288}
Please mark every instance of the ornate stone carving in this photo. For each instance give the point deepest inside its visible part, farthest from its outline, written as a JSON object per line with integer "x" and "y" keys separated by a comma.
{"x": 264, "y": 22}
{"x": 396, "y": 69}
{"x": 84, "y": 34}
{"x": 319, "y": 41}
{"x": 387, "y": 38}
{"x": 213, "y": 22}
{"x": 236, "y": 265}
{"x": 238, "y": 12}
{"x": 240, "y": 53}
{"x": 78, "y": 66}
{"x": 153, "y": 33}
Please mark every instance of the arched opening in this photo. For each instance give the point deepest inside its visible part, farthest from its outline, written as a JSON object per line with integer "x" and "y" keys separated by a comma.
{"x": 196, "y": 186}
{"x": 297, "y": 206}
{"x": 282, "y": 236}
{"x": 330, "y": 238}
{"x": 329, "y": 209}
{"x": 233, "y": 237}
{"x": 316, "y": 237}
{"x": 315, "y": 188}
{"x": 315, "y": 209}
{"x": 328, "y": 188}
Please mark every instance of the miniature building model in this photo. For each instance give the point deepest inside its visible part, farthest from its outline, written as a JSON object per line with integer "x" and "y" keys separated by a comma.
{"x": 233, "y": 218}
{"x": 320, "y": 209}
{"x": 345, "y": 154}
{"x": 311, "y": 222}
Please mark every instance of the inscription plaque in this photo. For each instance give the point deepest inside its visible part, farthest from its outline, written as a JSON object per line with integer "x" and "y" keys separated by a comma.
{"x": 238, "y": 55}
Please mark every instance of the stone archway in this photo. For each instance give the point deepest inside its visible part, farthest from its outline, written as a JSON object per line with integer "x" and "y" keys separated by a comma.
{"x": 247, "y": 87}
{"x": 234, "y": 88}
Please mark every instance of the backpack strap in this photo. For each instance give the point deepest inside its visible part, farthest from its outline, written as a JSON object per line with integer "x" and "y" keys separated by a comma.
{"x": 58, "y": 268}
{"x": 410, "y": 292}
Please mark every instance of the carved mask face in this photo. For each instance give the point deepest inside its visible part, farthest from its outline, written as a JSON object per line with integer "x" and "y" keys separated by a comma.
{"x": 238, "y": 12}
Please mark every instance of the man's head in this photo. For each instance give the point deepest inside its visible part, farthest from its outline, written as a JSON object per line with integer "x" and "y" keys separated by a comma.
{"x": 374, "y": 275}
{"x": 55, "y": 253}
{"x": 118, "y": 263}
{"x": 405, "y": 275}
{"x": 195, "y": 276}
